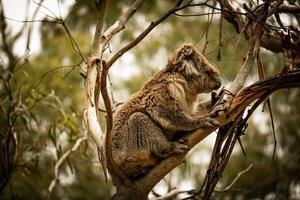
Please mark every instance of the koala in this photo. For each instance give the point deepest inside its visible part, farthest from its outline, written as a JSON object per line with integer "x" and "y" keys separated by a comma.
{"x": 144, "y": 126}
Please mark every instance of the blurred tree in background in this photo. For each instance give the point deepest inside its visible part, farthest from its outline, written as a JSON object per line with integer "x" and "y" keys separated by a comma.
{"x": 41, "y": 95}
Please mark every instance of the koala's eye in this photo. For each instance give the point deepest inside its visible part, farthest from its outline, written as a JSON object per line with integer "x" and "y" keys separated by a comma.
{"x": 207, "y": 71}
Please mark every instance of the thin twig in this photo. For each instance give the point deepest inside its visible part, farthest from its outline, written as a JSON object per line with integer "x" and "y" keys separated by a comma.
{"x": 210, "y": 18}
{"x": 49, "y": 10}
{"x": 53, "y": 70}
{"x": 103, "y": 39}
{"x": 61, "y": 160}
{"x": 197, "y": 15}
{"x": 220, "y": 9}
{"x": 29, "y": 21}
{"x": 74, "y": 44}
{"x": 142, "y": 35}
{"x": 234, "y": 180}
{"x": 170, "y": 195}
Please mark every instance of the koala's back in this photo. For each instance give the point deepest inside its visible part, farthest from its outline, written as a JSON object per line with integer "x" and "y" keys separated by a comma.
{"x": 131, "y": 152}
{"x": 141, "y": 101}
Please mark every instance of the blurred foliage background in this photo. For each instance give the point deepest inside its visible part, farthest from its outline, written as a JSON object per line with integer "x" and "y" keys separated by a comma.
{"x": 45, "y": 90}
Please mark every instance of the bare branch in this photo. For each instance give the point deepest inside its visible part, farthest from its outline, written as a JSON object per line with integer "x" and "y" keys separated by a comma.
{"x": 254, "y": 38}
{"x": 5, "y": 44}
{"x": 289, "y": 9}
{"x": 91, "y": 107}
{"x": 61, "y": 160}
{"x": 35, "y": 12}
{"x": 72, "y": 40}
{"x": 234, "y": 180}
{"x": 209, "y": 20}
{"x": 29, "y": 21}
{"x": 46, "y": 8}
{"x": 172, "y": 194}
{"x": 198, "y": 15}
{"x": 142, "y": 35}
{"x": 270, "y": 39}
{"x": 243, "y": 73}
{"x": 53, "y": 70}
{"x": 220, "y": 9}
{"x": 98, "y": 32}
{"x": 101, "y": 40}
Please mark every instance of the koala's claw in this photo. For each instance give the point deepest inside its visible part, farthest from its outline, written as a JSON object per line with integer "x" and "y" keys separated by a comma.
{"x": 209, "y": 122}
{"x": 182, "y": 141}
{"x": 179, "y": 147}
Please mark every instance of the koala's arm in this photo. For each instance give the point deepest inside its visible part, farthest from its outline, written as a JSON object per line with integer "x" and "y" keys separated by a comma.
{"x": 170, "y": 115}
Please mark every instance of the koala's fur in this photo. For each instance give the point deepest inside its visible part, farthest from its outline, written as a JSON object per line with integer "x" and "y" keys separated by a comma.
{"x": 144, "y": 126}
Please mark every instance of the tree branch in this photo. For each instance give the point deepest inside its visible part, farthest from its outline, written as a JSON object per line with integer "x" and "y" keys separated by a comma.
{"x": 289, "y": 9}
{"x": 234, "y": 180}
{"x": 61, "y": 161}
{"x": 101, "y": 40}
{"x": 238, "y": 105}
{"x": 170, "y": 195}
{"x": 115, "y": 172}
{"x": 96, "y": 51}
{"x": 91, "y": 106}
{"x": 244, "y": 72}
{"x": 20, "y": 32}
{"x": 271, "y": 39}
{"x": 142, "y": 35}
{"x": 5, "y": 43}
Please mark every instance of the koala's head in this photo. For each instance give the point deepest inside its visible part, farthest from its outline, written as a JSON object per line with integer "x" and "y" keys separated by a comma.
{"x": 201, "y": 76}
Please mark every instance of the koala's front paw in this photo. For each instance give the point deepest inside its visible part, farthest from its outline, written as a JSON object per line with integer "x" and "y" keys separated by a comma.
{"x": 218, "y": 109}
{"x": 180, "y": 146}
{"x": 208, "y": 122}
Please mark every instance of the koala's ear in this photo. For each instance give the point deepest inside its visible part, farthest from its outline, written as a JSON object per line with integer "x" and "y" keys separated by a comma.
{"x": 185, "y": 52}
{"x": 186, "y": 60}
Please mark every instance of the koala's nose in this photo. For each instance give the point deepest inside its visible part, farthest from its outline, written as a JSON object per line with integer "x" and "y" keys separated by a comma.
{"x": 218, "y": 84}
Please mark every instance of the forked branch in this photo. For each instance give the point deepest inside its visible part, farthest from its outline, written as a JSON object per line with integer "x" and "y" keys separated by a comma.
{"x": 142, "y": 35}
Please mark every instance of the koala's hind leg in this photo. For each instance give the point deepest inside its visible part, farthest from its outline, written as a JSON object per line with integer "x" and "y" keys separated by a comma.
{"x": 147, "y": 135}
